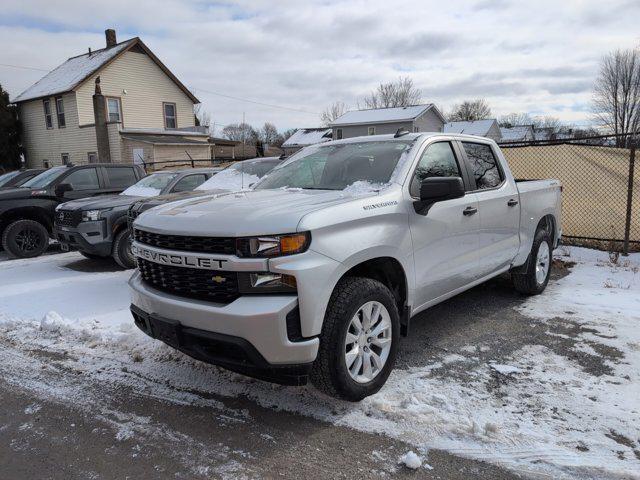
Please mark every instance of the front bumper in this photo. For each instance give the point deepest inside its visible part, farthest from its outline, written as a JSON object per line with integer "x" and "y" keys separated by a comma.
{"x": 89, "y": 237}
{"x": 260, "y": 320}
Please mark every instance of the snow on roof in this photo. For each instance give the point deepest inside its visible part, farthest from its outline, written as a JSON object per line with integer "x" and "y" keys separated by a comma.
{"x": 381, "y": 115}
{"x": 308, "y": 136}
{"x": 474, "y": 127}
{"x": 517, "y": 133}
{"x": 65, "y": 77}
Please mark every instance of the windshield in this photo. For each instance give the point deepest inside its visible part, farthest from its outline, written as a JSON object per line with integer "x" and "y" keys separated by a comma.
{"x": 336, "y": 167}
{"x": 45, "y": 178}
{"x": 4, "y": 179}
{"x": 151, "y": 185}
{"x": 240, "y": 175}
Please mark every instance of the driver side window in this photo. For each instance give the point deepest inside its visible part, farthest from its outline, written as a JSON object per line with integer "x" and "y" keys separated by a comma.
{"x": 438, "y": 160}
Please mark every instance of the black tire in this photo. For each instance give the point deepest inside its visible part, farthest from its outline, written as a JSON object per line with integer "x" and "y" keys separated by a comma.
{"x": 329, "y": 373}
{"x": 91, "y": 256}
{"x": 527, "y": 283}
{"x": 25, "y": 239}
{"x": 121, "y": 252}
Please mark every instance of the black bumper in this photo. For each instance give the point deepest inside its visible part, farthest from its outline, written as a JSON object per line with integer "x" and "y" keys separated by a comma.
{"x": 74, "y": 240}
{"x": 233, "y": 353}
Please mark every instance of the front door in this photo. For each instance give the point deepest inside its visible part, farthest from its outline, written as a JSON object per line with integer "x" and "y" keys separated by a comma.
{"x": 138, "y": 156}
{"x": 498, "y": 208}
{"x": 84, "y": 183}
{"x": 445, "y": 238}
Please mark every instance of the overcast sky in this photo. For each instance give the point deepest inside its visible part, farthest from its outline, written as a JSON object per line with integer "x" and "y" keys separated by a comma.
{"x": 537, "y": 57}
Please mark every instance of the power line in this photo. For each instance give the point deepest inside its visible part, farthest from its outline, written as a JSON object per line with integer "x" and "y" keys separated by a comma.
{"x": 257, "y": 103}
{"x": 23, "y": 67}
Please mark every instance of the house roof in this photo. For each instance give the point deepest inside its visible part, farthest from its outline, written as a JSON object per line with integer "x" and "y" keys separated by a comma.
{"x": 473, "y": 127}
{"x": 76, "y": 70}
{"x": 514, "y": 134}
{"x": 164, "y": 139}
{"x": 308, "y": 136}
{"x": 384, "y": 115}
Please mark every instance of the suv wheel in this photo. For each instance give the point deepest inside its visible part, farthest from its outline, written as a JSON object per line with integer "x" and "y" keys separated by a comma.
{"x": 535, "y": 280}
{"x": 25, "y": 239}
{"x": 122, "y": 250}
{"x": 359, "y": 340}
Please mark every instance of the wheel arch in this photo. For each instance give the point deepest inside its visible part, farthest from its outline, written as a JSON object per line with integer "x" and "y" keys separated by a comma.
{"x": 37, "y": 214}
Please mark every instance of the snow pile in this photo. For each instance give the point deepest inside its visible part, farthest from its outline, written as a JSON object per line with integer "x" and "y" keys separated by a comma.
{"x": 504, "y": 369}
{"x": 229, "y": 179}
{"x": 137, "y": 191}
{"x": 411, "y": 460}
{"x": 363, "y": 187}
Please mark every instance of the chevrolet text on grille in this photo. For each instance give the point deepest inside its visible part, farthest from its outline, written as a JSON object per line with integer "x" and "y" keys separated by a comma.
{"x": 178, "y": 260}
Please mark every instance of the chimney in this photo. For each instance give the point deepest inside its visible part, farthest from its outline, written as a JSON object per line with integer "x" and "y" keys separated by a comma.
{"x": 110, "y": 35}
{"x": 100, "y": 118}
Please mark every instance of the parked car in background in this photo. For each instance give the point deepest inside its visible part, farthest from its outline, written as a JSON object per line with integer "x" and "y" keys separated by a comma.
{"x": 97, "y": 227}
{"x": 26, "y": 212}
{"x": 18, "y": 177}
{"x": 238, "y": 176}
{"x": 317, "y": 270}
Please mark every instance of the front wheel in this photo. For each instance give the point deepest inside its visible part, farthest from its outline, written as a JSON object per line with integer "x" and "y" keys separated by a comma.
{"x": 122, "y": 253}
{"x": 359, "y": 340}
{"x": 25, "y": 239}
{"x": 535, "y": 280}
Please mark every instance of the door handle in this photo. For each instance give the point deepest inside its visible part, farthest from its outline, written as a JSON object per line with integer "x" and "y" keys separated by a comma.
{"x": 512, "y": 202}
{"x": 470, "y": 211}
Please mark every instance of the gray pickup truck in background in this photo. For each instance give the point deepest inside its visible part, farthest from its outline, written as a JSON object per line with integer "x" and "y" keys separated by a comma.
{"x": 316, "y": 272}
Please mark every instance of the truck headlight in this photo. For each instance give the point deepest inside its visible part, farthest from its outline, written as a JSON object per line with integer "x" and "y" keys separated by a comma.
{"x": 266, "y": 282}
{"x": 273, "y": 245}
{"x": 92, "y": 215}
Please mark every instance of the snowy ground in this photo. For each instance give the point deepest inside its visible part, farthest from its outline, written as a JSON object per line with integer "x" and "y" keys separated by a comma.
{"x": 547, "y": 387}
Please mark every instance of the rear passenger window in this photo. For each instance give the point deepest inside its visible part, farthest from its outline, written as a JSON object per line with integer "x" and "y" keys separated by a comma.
{"x": 85, "y": 179}
{"x": 438, "y": 160}
{"x": 483, "y": 165}
{"x": 120, "y": 177}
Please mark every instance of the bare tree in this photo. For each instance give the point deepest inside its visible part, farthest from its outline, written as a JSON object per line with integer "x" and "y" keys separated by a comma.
{"x": 333, "y": 111}
{"x": 202, "y": 116}
{"x": 240, "y": 132}
{"x": 269, "y": 133}
{"x": 470, "y": 110}
{"x": 400, "y": 93}
{"x": 616, "y": 97}
{"x": 515, "y": 119}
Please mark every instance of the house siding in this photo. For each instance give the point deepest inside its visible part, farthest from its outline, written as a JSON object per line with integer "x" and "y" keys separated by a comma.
{"x": 429, "y": 122}
{"x": 43, "y": 144}
{"x": 350, "y": 131}
{"x": 494, "y": 132}
{"x": 147, "y": 88}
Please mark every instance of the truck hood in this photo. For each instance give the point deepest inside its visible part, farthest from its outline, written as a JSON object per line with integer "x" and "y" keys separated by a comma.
{"x": 257, "y": 212}
{"x": 144, "y": 205}
{"x": 100, "y": 202}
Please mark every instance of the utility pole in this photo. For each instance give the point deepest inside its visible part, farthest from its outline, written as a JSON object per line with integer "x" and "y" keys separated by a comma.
{"x": 243, "y": 132}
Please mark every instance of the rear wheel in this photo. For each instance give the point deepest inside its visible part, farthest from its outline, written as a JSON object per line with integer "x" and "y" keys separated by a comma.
{"x": 359, "y": 340}
{"x": 535, "y": 280}
{"x": 122, "y": 250}
{"x": 25, "y": 239}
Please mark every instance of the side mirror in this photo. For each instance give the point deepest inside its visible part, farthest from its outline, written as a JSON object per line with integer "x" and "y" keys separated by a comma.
{"x": 62, "y": 189}
{"x": 437, "y": 189}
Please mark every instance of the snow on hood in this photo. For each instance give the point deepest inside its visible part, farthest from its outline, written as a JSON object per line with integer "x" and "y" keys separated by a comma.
{"x": 99, "y": 202}
{"x": 136, "y": 191}
{"x": 363, "y": 187}
{"x": 253, "y": 212}
{"x": 229, "y": 179}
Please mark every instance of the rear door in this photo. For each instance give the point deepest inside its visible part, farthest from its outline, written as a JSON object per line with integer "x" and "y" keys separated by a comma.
{"x": 445, "y": 238}
{"x": 498, "y": 207}
{"x": 118, "y": 178}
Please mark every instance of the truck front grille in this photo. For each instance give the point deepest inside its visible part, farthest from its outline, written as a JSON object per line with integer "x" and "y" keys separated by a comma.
{"x": 68, "y": 218}
{"x": 221, "y": 245}
{"x": 211, "y": 285}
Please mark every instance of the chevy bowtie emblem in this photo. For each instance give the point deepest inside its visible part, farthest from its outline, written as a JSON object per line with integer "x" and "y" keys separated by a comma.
{"x": 218, "y": 279}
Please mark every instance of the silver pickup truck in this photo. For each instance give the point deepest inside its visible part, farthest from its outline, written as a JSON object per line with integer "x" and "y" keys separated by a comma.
{"x": 316, "y": 271}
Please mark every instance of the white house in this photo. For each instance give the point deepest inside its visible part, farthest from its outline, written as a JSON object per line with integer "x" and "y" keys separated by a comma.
{"x": 483, "y": 128}
{"x": 518, "y": 133}
{"x": 304, "y": 137}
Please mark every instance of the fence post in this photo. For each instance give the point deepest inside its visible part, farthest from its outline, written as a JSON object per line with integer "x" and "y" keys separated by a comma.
{"x": 627, "y": 225}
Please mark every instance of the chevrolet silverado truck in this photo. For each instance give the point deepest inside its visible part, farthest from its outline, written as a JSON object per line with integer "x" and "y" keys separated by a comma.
{"x": 27, "y": 212}
{"x": 315, "y": 273}
{"x": 97, "y": 227}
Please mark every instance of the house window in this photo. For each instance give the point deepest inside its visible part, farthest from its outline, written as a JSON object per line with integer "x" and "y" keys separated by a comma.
{"x": 92, "y": 157}
{"x": 65, "y": 158}
{"x": 170, "y": 120}
{"x": 45, "y": 163}
{"x": 48, "y": 118}
{"x": 60, "y": 112}
{"x": 416, "y": 129}
{"x": 114, "y": 110}
{"x": 371, "y": 131}
{"x": 338, "y": 134}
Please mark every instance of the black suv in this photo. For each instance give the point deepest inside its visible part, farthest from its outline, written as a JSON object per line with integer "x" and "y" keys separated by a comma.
{"x": 97, "y": 227}
{"x": 18, "y": 177}
{"x": 27, "y": 212}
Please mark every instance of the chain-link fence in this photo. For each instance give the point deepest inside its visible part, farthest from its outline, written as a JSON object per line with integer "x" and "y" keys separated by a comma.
{"x": 601, "y": 190}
